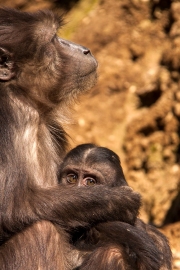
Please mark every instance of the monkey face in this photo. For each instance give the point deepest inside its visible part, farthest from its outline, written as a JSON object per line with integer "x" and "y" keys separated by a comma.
{"x": 80, "y": 176}
{"x": 75, "y": 179}
{"x": 81, "y": 68}
{"x": 88, "y": 174}
{"x": 37, "y": 63}
{"x": 88, "y": 164}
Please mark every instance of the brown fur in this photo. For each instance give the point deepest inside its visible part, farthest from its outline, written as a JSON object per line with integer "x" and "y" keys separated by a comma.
{"x": 39, "y": 74}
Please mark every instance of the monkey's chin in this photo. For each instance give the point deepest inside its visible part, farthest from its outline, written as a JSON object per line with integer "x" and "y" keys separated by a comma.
{"x": 83, "y": 85}
{"x": 88, "y": 81}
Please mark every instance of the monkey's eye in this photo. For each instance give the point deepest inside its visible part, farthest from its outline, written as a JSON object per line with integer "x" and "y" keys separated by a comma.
{"x": 71, "y": 178}
{"x": 89, "y": 181}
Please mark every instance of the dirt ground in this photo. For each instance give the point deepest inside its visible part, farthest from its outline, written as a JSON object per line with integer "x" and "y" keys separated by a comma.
{"x": 135, "y": 107}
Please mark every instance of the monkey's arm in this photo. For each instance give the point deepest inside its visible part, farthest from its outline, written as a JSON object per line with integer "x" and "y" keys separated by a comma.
{"x": 80, "y": 207}
{"x": 160, "y": 241}
{"x": 134, "y": 247}
{"x": 70, "y": 207}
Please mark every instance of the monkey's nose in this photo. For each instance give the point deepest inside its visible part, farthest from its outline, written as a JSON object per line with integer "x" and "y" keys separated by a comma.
{"x": 86, "y": 51}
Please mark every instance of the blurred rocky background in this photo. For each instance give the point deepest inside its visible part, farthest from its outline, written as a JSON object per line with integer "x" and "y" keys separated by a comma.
{"x": 135, "y": 107}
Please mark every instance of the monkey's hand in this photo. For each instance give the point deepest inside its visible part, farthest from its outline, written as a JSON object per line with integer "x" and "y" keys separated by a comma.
{"x": 128, "y": 204}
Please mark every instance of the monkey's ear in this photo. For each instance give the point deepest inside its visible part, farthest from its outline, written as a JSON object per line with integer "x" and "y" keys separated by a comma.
{"x": 6, "y": 65}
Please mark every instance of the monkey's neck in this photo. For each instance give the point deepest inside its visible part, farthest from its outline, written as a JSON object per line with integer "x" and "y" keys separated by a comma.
{"x": 31, "y": 152}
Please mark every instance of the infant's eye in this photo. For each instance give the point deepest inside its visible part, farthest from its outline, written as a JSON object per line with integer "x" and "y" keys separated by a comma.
{"x": 71, "y": 178}
{"x": 89, "y": 181}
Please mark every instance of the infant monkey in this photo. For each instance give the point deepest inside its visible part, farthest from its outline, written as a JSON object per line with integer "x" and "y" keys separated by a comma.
{"x": 128, "y": 247}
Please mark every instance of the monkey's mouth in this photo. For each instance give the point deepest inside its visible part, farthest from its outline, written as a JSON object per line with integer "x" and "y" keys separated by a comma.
{"x": 89, "y": 73}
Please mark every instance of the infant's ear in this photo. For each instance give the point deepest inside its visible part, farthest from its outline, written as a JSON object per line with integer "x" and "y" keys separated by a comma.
{"x": 6, "y": 65}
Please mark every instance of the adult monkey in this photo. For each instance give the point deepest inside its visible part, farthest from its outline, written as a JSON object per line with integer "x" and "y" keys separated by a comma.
{"x": 138, "y": 247}
{"x": 39, "y": 74}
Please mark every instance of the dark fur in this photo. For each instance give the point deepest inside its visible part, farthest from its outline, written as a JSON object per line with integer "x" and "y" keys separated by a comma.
{"x": 39, "y": 74}
{"x": 111, "y": 245}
